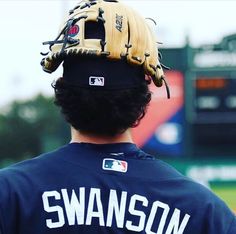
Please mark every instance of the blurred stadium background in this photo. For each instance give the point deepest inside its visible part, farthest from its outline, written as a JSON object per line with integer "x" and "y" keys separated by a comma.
{"x": 195, "y": 130}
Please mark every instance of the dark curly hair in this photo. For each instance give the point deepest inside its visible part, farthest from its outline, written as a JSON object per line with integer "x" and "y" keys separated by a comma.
{"x": 101, "y": 112}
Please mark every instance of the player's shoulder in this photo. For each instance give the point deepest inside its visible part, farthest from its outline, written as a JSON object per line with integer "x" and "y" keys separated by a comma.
{"x": 199, "y": 201}
{"x": 29, "y": 166}
{"x": 186, "y": 185}
{"x": 172, "y": 180}
{"x": 159, "y": 174}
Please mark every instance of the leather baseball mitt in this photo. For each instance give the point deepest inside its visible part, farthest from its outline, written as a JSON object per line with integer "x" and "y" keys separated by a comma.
{"x": 118, "y": 33}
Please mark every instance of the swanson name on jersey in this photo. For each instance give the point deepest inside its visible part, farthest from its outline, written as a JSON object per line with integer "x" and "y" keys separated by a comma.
{"x": 87, "y": 206}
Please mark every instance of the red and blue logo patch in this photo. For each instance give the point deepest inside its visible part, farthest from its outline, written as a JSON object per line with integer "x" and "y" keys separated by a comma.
{"x": 110, "y": 164}
{"x": 74, "y": 30}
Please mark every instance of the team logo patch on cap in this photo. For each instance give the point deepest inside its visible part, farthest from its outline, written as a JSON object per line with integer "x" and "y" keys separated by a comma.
{"x": 96, "y": 81}
{"x": 110, "y": 164}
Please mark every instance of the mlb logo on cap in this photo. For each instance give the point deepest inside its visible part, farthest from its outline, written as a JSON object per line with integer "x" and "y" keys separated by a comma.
{"x": 110, "y": 164}
{"x": 96, "y": 81}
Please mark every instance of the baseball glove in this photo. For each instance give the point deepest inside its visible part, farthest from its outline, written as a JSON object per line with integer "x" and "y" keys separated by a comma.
{"x": 121, "y": 33}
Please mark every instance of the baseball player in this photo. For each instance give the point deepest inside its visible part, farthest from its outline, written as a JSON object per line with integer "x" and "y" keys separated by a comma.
{"x": 101, "y": 182}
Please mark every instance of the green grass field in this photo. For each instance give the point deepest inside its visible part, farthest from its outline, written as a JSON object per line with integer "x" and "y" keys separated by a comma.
{"x": 226, "y": 193}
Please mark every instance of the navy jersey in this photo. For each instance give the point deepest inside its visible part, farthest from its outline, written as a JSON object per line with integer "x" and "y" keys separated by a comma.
{"x": 115, "y": 188}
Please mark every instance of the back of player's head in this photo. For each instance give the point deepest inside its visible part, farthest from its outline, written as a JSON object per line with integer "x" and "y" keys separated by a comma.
{"x": 102, "y": 112}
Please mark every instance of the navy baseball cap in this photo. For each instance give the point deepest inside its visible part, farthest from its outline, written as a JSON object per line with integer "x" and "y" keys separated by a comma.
{"x": 102, "y": 73}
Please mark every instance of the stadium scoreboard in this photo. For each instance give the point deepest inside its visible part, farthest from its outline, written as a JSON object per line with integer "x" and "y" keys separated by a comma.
{"x": 210, "y": 100}
{"x": 214, "y": 97}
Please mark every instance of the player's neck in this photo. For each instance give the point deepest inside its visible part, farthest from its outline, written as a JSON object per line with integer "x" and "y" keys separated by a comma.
{"x": 79, "y": 137}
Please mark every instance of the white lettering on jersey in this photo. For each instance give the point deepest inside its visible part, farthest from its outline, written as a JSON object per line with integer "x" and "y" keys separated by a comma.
{"x": 49, "y": 222}
{"x": 95, "y": 199}
{"x": 173, "y": 227}
{"x": 74, "y": 208}
{"x": 114, "y": 207}
{"x": 129, "y": 225}
{"x": 80, "y": 211}
{"x": 165, "y": 210}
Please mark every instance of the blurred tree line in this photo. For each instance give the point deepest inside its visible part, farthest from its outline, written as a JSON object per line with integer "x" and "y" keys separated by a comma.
{"x": 29, "y": 128}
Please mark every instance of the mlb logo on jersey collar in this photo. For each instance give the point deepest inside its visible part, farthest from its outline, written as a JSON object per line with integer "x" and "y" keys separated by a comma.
{"x": 110, "y": 164}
